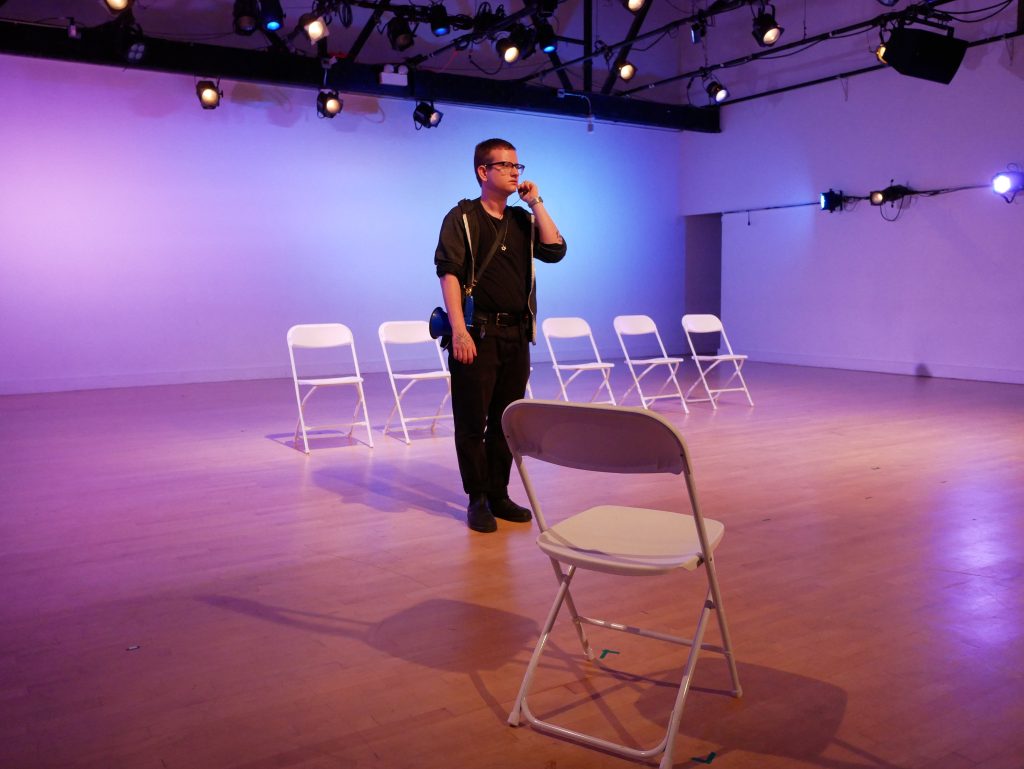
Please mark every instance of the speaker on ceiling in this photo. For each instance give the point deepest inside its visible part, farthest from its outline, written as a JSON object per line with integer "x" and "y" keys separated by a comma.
{"x": 927, "y": 55}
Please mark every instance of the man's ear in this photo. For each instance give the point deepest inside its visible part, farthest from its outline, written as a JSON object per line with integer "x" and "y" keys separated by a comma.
{"x": 481, "y": 173}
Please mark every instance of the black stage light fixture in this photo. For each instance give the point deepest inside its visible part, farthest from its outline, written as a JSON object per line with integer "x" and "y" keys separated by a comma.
{"x": 546, "y": 40}
{"x": 209, "y": 94}
{"x": 437, "y": 15}
{"x": 517, "y": 44}
{"x": 888, "y": 3}
{"x": 271, "y": 15}
{"x": 314, "y": 27}
{"x": 716, "y": 91}
{"x": 246, "y": 15}
{"x": 328, "y": 103}
{"x": 924, "y": 54}
{"x": 625, "y": 68}
{"x": 399, "y": 34}
{"x": 766, "y": 30}
{"x": 633, "y": 6}
{"x": 832, "y": 201}
{"x": 117, "y": 6}
{"x": 890, "y": 194}
{"x": 426, "y": 115}
{"x": 698, "y": 29}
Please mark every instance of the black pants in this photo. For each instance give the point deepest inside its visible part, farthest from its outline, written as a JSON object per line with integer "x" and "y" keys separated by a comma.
{"x": 480, "y": 393}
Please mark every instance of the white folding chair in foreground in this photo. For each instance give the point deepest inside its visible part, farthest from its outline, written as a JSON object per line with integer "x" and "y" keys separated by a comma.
{"x": 576, "y": 328}
{"x": 643, "y": 325}
{"x": 412, "y": 332}
{"x": 710, "y": 324}
{"x": 324, "y": 336}
{"x": 618, "y": 540}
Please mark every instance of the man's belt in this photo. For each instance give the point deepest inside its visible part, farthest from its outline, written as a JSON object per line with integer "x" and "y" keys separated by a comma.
{"x": 498, "y": 318}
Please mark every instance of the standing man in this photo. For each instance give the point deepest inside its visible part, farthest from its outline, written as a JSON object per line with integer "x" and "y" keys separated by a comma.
{"x": 486, "y": 248}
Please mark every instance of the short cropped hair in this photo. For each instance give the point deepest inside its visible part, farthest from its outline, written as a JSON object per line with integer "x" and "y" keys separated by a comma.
{"x": 482, "y": 154}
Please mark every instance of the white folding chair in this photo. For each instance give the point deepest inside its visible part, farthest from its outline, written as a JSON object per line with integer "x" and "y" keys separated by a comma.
{"x": 614, "y": 539}
{"x": 576, "y": 328}
{"x": 643, "y": 325}
{"x": 412, "y": 332}
{"x": 325, "y": 336}
{"x": 710, "y": 324}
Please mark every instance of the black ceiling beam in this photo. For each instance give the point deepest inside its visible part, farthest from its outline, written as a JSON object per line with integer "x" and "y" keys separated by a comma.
{"x": 553, "y": 56}
{"x": 289, "y": 69}
{"x": 909, "y": 12}
{"x": 634, "y": 30}
{"x": 366, "y": 31}
{"x": 721, "y": 6}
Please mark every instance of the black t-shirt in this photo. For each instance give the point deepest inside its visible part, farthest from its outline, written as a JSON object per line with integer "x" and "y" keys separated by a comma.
{"x": 504, "y": 285}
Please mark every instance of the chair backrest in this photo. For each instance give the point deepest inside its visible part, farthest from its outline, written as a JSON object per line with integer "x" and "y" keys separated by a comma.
{"x": 565, "y": 328}
{"x": 634, "y": 324}
{"x": 319, "y": 335}
{"x": 587, "y": 436}
{"x": 404, "y": 332}
{"x": 702, "y": 324}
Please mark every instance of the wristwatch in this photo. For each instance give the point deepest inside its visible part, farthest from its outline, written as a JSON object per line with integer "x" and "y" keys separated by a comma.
{"x": 536, "y": 200}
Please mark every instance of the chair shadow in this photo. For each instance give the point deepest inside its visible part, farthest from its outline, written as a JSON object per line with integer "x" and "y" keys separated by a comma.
{"x": 780, "y": 714}
{"x": 319, "y": 439}
{"x": 390, "y": 490}
{"x": 439, "y": 633}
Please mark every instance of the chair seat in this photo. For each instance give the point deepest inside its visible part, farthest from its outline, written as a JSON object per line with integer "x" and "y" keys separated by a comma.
{"x": 629, "y": 541}
{"x": 424, "y": 375}
{"x": 592, "y": 366}
{"x": 720, "y": 357}
{"x": 656, "y": 361}
{"x": 332, "y": 380}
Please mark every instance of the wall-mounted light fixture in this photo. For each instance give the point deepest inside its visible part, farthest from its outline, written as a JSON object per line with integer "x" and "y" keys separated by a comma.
{"x": 426, "y": 115}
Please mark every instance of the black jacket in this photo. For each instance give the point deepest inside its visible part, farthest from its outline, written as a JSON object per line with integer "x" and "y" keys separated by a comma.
{"x": 457, "y": 248}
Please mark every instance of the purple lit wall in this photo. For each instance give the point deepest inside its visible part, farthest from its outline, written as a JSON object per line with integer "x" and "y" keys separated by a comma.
{"x": 939, "y": 291}
{"x": 146, "y": 241}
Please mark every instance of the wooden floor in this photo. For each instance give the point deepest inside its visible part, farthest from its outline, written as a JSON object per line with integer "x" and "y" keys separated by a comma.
{"x": 182, "y": 589}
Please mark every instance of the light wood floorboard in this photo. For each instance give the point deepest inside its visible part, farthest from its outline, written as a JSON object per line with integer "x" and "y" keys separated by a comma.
{"x": 182, "y": 589}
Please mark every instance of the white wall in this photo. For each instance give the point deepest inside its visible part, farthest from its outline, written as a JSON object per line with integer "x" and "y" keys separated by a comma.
{"x": 145, "y": 240}
{"x": 939, "y": 291}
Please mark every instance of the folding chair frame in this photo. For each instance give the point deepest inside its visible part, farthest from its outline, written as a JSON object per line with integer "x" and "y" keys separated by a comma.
{"x": 344, "y": 334}
{"x": 710, "y": 324}
{"x": 577, "y": 368}
{"x": 638, "y": 325}
{"x": 712, "y": 604}
{"x": 411, "y": 379}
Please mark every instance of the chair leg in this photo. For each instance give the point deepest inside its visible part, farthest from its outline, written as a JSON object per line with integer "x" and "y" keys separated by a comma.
{"x": 302, "y": 419}
{"x": 684, "y": 685}
{"x": 366, "y": 416}
{"x": 561, "y": 384}
{"x": 608, "y": 386}
{"x": 549, "y": 623}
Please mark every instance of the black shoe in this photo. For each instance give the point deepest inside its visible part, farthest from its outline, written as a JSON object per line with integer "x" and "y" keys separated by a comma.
{"x": 479, "y": 517}
{"x": 508, "y": 510}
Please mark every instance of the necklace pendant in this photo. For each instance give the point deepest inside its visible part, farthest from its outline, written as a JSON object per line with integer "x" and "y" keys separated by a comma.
{"x": 503, "y": 248}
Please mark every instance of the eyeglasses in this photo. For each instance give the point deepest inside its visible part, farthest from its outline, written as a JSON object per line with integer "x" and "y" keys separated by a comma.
{"x": 506, "y": 166}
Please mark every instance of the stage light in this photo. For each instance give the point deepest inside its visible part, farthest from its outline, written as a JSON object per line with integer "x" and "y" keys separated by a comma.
{"x": 923, "y": 54}
{"x": 271, "y": 15}
{"x": 880, "y": 52}
{"x": 117, "y": 6}
{"x": 246, "y": 15}
{"x": 698, "y": 29}
{"x": 633, "y": 6}
{"x": 625, "y": 69}
{"x": 209, "y": 94}
{"x": 315, "y": 27}
{"x": 517, "y": 44}
{"x": 832, "y": 201}
{"x": 546, "y": 37}
{"x": 328, "y": 103}
{"x": 716, "y": 91}
{"x": 888, "y": 3}
{"x": 399, "y": 34}
{"x": 766, "y": 30}
{"x": 426, "y": 116}
{"x": 890, "y": 194}
{"x": 438, "y": 18}
{"x": 1008, "y": 183}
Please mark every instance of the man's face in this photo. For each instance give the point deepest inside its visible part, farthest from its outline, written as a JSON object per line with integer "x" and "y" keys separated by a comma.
{"x": 500, "y": 174}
